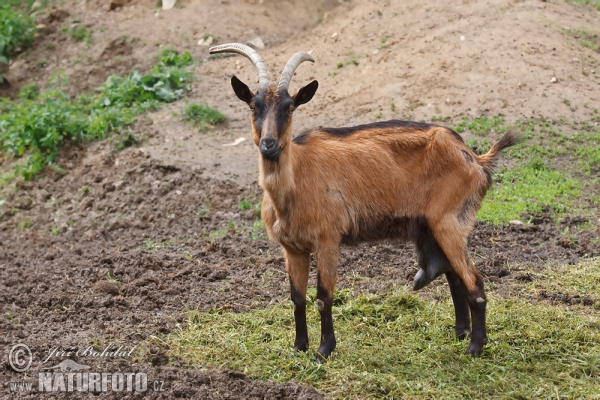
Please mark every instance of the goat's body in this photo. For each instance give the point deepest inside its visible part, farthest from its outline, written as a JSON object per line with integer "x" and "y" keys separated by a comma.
{"x": 390, "y": 183}
{"x": 396, "y": 179}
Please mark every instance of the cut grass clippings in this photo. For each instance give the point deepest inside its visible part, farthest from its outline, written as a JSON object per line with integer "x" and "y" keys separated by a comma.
{"x": 397, "y": 346}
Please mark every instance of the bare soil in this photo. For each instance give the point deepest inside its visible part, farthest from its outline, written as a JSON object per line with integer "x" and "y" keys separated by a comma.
{"x": 113, "y": 248}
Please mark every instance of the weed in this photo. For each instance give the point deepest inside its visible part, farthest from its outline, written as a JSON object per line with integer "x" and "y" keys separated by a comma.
{"x": 440, "y": 119}
{"x": 29, "y": 92}
{"x": 36, "y": 128}
{"x": 25, "y": 223}
{"x": 16, "y": 33}
{"x": 245, "y": 205}
{"x": 482, "y": 125}
{"x": 202, "y": 211}
{"x": 202, "y": 116}
{"x": 80, "y": 33}
{"x": 56, "y": 231}
{"x": 393, "y": 107}
{"x": 127, "y": 139}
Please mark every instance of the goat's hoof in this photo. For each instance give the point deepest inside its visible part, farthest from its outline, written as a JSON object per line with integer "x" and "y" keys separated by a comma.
{"x": 475, "y": 349}
{"x": 323, "y": 353}
{"x": 301, "y": 347}
{"x": 462, "y": 334}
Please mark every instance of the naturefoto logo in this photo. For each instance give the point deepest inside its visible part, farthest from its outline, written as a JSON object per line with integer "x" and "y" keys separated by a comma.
{"x": 67, "y": 375}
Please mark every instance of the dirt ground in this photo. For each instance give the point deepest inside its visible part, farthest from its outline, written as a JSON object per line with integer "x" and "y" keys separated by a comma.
{"x": 114, "y": 249}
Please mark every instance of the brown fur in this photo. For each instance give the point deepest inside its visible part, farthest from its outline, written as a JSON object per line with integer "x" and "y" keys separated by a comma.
{"x": 409, "y": 181}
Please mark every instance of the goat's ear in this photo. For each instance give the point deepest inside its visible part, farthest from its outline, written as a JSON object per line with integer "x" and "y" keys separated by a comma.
{"x": 241, "y": 90}
{"x": 305, "y": 94}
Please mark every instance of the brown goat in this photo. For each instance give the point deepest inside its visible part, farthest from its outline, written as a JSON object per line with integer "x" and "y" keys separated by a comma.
{"x": 403, "y": 180}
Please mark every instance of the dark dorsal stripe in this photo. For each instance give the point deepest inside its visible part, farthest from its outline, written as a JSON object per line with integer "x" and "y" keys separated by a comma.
{"x": 347, "y": 131}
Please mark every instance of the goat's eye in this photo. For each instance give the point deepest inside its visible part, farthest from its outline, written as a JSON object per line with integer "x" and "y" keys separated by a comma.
{"x": 252, "y": 107}
{"x": 291, "y": 110}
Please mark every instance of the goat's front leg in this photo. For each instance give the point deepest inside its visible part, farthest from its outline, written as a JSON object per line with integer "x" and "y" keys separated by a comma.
{"x": 327, "y": 259}
{"x": 297, "y": 265}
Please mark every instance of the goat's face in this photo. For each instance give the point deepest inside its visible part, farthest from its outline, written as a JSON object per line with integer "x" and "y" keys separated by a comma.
{"x": 271, "y": 115}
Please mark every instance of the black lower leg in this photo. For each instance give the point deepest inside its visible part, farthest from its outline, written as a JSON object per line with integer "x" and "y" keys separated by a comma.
{"x": 462, "y": 325}
{"x": 477, "y": 304}
{"x": 299, "y": 304}
{"x": 324, "y": 305}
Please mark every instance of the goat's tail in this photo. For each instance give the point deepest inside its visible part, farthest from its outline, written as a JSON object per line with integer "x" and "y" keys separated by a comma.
{"x": 488, "y": 160}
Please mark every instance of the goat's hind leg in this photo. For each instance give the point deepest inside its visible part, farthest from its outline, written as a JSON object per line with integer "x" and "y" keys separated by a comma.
{"x": 433, "y": 262}
{"x": 453, "y": 242}
{"x": 297, "y": 265}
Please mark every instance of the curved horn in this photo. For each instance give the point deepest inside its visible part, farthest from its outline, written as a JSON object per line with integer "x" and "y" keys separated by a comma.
{"x": 248, "y": 52}
{"x": 290, "y": 67}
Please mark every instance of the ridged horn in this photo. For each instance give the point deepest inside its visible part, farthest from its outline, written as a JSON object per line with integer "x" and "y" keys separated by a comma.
{"x": 290, "y": 67}
{"x": 251, "y": 54}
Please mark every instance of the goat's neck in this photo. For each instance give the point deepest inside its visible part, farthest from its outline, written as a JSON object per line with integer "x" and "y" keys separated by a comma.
{"x": 277, "y": 179}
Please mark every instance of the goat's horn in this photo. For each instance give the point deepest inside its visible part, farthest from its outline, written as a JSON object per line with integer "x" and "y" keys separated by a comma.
{"x": 290, "y": 67}
{"x": 248, "y": 52}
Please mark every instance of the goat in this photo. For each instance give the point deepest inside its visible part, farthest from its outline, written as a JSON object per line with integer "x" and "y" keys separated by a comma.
{"x": 403, "y": 180}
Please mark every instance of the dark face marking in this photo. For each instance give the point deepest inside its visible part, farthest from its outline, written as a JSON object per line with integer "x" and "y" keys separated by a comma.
{"x": 272, "y": 114}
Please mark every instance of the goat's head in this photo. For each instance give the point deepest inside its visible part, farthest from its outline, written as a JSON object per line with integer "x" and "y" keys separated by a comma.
{"x": 271, "y": 109}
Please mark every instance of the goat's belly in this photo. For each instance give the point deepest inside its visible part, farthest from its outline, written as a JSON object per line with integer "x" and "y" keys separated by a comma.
{"x": 389, "y": 227}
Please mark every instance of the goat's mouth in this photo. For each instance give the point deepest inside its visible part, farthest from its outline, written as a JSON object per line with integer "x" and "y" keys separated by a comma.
{"x": 271, "y": 154}
{"x": 269, "y": 148}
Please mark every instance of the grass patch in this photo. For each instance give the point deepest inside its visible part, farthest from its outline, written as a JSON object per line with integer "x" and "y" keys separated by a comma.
{"x": 482, "y": 126}
{"x": 37, "y": 125}
{"x": 593, "y": 3}
{"x": 528, "y": 188}
{"x": 582, "y": 279}
{"x": 79, "y": 33}
{"x": 202, "y": 116}
{"x": 398, "y": 346}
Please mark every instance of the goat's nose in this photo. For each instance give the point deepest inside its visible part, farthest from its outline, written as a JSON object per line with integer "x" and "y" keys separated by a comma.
{"x": 268, "y": 143}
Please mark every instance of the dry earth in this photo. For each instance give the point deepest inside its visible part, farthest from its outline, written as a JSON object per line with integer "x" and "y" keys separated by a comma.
{"x": 158, "y": 230}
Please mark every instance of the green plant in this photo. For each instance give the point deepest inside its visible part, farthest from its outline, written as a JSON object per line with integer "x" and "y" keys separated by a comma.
{"x": 16, "y": 33}
{"x": 80, "y": 33}
{"x": 35, "y": 127}
{"x": 202, "y": 116}
{"x": 482, "y": 125}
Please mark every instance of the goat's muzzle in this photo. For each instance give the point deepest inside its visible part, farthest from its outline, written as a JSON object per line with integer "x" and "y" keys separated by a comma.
{"x": 269, "y": 148}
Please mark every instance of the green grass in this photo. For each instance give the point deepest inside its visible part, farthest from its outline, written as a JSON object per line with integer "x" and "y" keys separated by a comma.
{"x": 17, "y": 31}
{"x": 528, "y": 187}
{"x": 37, "y": 125}
{"x": 555, "y": 169}
{"x": 482, "y": 126}
{"x": 202, "y": 116}
{"x": 80, "y": 33}
{"x": 395, "y": 345}
{"x": 594, "y": 3}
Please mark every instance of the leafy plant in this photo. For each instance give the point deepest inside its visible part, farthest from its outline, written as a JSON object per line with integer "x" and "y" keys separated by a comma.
{"x": 80, "y": 33}
{"x": 201, "y": 115}
{"x": 16, "y": 33}
{"x": 36, "y": 126}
